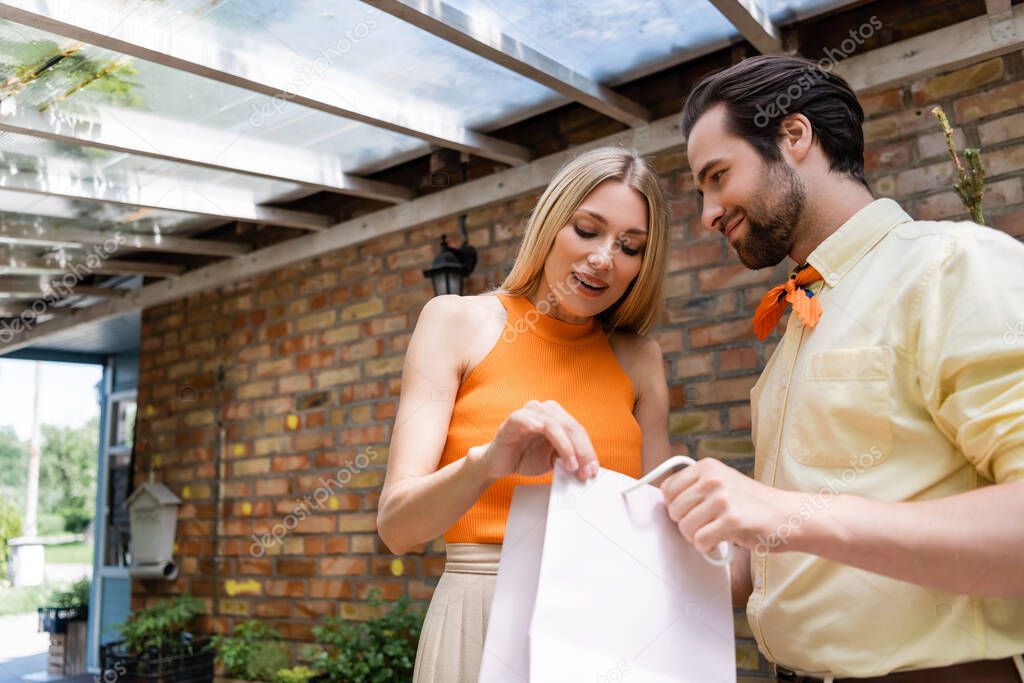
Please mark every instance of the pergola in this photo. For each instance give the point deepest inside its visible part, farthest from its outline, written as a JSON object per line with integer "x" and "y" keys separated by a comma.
{"x": 189, "y": 126}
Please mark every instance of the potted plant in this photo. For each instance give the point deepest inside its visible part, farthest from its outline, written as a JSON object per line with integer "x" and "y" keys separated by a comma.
{"x": 158, "y": 646}
{"x": 64, "y": 607}
{"x": 64, "y": 618}
{"x": 296, "y": 674}
{"x": 253, "y": 652}
{"x": 379, "y": 650}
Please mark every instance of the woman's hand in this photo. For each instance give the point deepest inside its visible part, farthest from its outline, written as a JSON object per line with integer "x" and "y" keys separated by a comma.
{"x": 532, "y": 438}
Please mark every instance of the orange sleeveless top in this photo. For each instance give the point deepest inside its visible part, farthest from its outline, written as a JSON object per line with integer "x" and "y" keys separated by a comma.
{"x": 540, "y": 358}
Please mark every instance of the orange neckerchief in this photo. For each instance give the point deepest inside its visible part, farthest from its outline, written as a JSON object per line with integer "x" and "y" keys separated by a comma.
{"x": 795, "y": 292}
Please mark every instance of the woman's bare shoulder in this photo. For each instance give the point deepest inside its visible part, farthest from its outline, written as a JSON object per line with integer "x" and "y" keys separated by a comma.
{"x": 638, "y": 354}
{"x": 456, "y": 313}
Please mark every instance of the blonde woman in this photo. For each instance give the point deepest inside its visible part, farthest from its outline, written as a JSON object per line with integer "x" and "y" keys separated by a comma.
{"x": 551, "y": 366}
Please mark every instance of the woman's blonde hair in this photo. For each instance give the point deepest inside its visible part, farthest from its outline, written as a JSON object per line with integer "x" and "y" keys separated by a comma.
{"x": 640, "y": 306}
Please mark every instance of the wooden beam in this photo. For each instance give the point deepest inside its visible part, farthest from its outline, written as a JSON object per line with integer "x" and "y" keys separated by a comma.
{"x": 271, "y": 72}
{"x": 451, "y": 24}
{"x": 753, "y": 23}
{"x": 944, "y": 49}
{"x": 996, "y": 7}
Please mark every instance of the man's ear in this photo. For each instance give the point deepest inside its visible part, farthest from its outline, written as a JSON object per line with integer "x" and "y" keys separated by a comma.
{"x": 795, "y": 136}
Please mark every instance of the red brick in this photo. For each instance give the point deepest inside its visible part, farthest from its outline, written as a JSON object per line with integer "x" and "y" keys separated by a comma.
{"x": 333, "y": 589}
{"x": 900, "y": 124}
{"x": 386, "y": 325}
{"x": 318, "y": 359}
{"x": 956, "y": 82}
{"x": 695, "y": 254}
{"x": 882, "y": 102}
{"x": 342, "y": 566}
{"x": 385, "y": 410}
{"x": 337, "y": 545}
{"x": 296, "y": 567}
{"x": 1004, "y": 160}
{"x": 319, "y": 523}
{"x": 311, "y": 609}
{"x": 730, "y": 360}
{"x": 693, "y": 365}
{"x": 725, "y": 277}
{"x": 721, "y": 333}
{"x": 886, "y": 157}
{"x": 289, "y": 463}
{"x": 271, "y": 487}
{"x": 280, "y": 588}
{"x": 1001, "y": 129}
{"x": 1011, "y": 223}
{"x": 270, "y": 609}
{"x": 739, "y": 417}
{"x": 992, "y": 101}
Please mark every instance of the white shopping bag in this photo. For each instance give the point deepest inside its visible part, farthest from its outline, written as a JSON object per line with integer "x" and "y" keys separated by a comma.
{"x": 597, "y": 586}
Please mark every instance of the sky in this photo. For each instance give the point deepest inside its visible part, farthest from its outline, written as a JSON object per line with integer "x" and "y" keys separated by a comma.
{"x": 68, "y": 394}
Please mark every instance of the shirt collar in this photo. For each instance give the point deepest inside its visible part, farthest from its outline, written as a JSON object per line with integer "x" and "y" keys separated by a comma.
{"x": 844, "y": 248}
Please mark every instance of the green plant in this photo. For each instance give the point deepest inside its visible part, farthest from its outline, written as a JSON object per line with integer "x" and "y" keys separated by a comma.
{"x": 970, "y": 185}
{"x": 77, "y": 596}
{"x": 10, "y": 527}
{"x": 252, "y": 651}
{"x": 296, "y": 674}
{"x": 158, "y": 630}
{"x": 66, "y": 70}
{"x": 379, "y": 650}
{"x": 24, "y": 599}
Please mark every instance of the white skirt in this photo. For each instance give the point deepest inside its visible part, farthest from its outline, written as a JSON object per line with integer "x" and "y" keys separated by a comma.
{"x": 452, "y": 641}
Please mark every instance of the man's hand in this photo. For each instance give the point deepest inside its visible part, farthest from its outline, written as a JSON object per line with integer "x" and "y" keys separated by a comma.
{"x": 711, "y": 502}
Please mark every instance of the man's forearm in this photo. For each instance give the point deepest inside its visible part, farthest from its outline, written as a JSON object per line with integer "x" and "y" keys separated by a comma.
{"x": 968, "y": 543}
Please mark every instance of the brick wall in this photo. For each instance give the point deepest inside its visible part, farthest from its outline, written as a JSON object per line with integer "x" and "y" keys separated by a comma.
{"x": 252, "y": 396}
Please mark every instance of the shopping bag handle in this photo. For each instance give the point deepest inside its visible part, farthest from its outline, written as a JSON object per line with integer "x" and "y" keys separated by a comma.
{"x": 674, "y": 464}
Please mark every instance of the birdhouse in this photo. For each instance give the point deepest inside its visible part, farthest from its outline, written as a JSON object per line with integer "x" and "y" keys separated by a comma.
{"x": 153, "y": 514}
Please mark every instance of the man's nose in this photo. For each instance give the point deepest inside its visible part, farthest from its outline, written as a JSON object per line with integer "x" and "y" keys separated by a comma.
{"x": 710, "y": 214}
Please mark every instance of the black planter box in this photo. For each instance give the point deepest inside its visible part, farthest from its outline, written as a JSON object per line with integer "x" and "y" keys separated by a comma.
{"x": 54, "y": 620}
{"x": 187, "y": 668}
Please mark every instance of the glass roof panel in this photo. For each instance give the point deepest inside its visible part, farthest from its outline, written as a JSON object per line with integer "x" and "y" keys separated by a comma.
{"x": 54, "y": 75}
{"x": 605, "y": 40}
{"x": 43, "y": 209}
{"x": 28, "y": 153}
{"x": 787, "y": 11}
{"x": 348, "y": 52}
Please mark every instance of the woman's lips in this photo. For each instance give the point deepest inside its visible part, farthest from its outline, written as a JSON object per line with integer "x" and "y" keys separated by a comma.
{"x": 584, "y": 289}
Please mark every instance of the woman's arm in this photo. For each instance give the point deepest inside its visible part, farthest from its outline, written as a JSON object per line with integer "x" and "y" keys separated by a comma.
{"x": 415, "y": 507}
{"x": 419, "y": 502}
{"x": 652, "y": 402}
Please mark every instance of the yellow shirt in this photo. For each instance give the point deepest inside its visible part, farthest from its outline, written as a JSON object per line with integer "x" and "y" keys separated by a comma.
{"x": 911, "y": 387}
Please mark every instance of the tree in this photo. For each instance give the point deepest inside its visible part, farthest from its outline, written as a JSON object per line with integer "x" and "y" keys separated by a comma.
{"x": 13, "y": 466}
{"x": 67, "y": 477}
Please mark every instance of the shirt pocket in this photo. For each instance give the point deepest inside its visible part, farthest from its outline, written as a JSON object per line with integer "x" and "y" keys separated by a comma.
{"x": 841, "y": 408}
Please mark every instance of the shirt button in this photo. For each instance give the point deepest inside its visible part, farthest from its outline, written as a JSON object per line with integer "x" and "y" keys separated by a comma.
{"x": 784, "y": 382}
{"x": 758, "y": 581}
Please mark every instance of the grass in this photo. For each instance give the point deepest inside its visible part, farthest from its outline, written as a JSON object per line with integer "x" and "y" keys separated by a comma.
{"x": 69, "y": 553}
{"x": 25, "y": 598}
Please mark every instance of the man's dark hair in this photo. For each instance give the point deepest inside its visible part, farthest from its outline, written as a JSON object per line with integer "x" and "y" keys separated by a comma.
{"x": 761, "y": 91}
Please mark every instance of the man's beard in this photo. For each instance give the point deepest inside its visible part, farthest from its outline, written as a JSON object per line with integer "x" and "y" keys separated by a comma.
{"x": 772, "y": 218}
